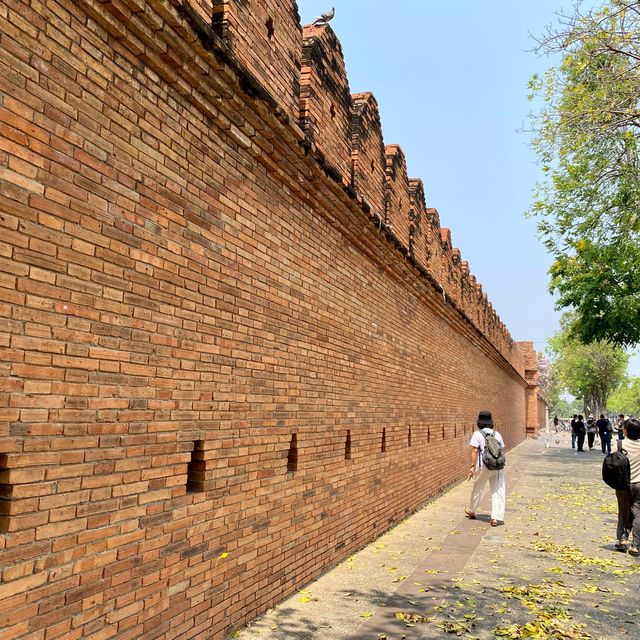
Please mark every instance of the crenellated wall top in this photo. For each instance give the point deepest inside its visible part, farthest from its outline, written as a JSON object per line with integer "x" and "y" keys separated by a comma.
{"x": 305, "y": 66}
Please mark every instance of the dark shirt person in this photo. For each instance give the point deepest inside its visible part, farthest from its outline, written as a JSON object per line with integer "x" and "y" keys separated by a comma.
{"x": 581, "y": 431}
{"x": 605, "y": 430}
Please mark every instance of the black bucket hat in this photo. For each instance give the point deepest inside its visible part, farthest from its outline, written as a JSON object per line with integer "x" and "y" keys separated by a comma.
{"x": 485, "y": 419}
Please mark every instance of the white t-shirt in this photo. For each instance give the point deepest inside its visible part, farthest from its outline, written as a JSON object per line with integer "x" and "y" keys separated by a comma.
{"x": 478, "y": 442}
{"x": 632, "y": 447}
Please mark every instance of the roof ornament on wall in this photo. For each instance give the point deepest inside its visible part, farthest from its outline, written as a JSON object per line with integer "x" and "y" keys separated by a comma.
{"x": 325, "y": 18}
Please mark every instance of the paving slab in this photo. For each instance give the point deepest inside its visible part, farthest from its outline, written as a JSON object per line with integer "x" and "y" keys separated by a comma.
{"x": 551, "y": 571}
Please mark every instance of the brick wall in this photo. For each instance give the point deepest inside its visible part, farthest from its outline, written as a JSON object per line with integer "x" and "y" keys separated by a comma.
{"x": 536, "y": 405}
{"x": 219, "y": 374}
{"x": 543, "y": 417}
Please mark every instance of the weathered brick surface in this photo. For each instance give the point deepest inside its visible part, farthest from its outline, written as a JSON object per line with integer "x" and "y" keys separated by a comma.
{"x": 266, "y": 38}
{"x": 450, "y": 272}
{"x": 434, "y": 250}
{"x": 182, "y": 289}
{"x": 418, "y": 224}
{"x": 368, "y": 154}
{"x": 325, "y": 99}
{"x": 536, "y": 406}
{"x": 397, "y": 194}
{"x": 542, "y": 413}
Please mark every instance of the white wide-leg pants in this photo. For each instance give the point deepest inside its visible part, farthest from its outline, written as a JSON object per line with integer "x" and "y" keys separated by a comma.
{"x": 496, "y": 483}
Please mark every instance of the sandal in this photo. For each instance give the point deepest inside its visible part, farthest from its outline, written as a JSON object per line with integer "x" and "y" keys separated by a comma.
{"x": 620, "y": 546}
{"x": 633, "y": 551}
{"x": 494, "y": 523}
{"x": 470, "y": 514}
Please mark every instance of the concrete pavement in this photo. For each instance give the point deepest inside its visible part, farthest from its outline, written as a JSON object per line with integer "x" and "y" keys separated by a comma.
{"x": 550, "y": 572}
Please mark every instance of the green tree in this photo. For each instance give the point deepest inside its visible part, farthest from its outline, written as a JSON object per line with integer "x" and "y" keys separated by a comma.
{"x": 566, "y": 408}
{"x": 587, "y": 371}
{"x": 626, "y": 399}
{"x": 587, "y": 137}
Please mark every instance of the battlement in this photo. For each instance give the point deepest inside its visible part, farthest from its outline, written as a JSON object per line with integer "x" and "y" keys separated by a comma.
{"x": 418, "y": 222}
{"x": 369, "y": 164}
{"x": 325, "y": 99}
{"x": 397, "y": 194}
{"x": 266, "y": 38}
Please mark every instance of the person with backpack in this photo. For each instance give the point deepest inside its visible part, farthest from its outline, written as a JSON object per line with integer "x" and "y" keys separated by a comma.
{"x": 605, "y": 430}
{"x": 487, "y": 465}
{"x": 621, "y": 471}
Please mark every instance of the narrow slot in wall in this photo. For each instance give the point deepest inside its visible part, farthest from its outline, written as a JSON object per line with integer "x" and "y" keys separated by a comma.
{"x": 347, "y": 446}
{"x": 6, "y": 490}
{"x": 196, "y": 468}
{"x": 383, "y": 444}
{"x": 292, "y": 457}
{"x": 409, "y": 441}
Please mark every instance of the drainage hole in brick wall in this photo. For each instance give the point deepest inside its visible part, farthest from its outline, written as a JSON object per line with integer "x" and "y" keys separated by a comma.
{"x": 373, "y": 166}
{"x": 332, "y": 112}
{"x": 196, "y": 468}
{"x": 292, "y": 458}
{"x": 409, "y": 443}
{"x": 347, "y": 446}
{"x": 383, "y": 444}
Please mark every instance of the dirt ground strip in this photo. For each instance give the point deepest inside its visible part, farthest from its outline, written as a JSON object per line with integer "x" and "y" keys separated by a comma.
{"x": 550, "y": 572}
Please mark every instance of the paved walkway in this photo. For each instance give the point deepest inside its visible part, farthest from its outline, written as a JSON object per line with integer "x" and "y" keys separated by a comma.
{"x": 550, "y": 572}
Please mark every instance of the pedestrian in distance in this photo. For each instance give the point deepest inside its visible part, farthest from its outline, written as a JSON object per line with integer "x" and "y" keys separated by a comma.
{"x": 620, "y": 427}
{"x": 555, "y": 423}
{"x": 487, "y": 465}
{"x": 581, "y": 430}
{"x": 591, "y": 432}
{"x": 574, "y": 433}
{"x": 605, "y": 430}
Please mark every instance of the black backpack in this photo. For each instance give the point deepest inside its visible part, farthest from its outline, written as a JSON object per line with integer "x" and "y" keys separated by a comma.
{"x": 492, "y": 456}
{"x": 616, "y": 470}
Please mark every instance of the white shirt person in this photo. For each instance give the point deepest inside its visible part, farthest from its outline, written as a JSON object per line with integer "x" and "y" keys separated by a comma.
{"x": 481, "y": 475}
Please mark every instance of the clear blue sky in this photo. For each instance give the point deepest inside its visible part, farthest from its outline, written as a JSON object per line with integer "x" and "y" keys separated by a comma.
{"x": 451, "y": 81}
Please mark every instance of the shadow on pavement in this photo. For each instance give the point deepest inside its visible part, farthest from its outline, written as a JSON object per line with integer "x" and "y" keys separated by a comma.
{"x": 296, "y": 628}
